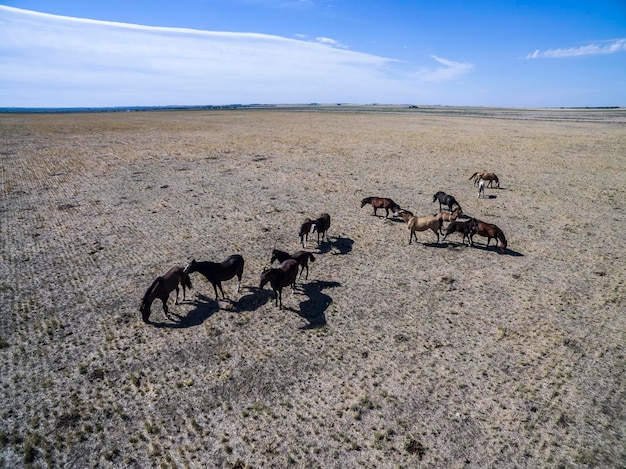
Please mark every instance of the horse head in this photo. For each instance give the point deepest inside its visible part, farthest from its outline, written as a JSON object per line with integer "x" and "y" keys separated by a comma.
{"x": 190, "y": 267}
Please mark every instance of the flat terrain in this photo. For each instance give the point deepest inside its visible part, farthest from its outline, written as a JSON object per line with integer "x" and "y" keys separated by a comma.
{"x": 390, "y": 355}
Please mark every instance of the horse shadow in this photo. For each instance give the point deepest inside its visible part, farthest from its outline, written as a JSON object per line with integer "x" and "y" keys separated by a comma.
{"x": 488, "y": 196}
{"x": 313, "y": 309}
{"x": 507, "y": 252}
{"x": 205, "y": 307}
{"x": 339, "y": 245}
{"x": 254, "y": 300}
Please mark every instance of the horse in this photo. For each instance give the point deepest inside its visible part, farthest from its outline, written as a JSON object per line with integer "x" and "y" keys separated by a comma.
{"x": 161, "y": 287}
{"x": 321, "y": 226}
{"x": 305, "y": 228}
{"x": 445, "y": 199}
{"x": 485, "y": 176}
{"x": 301, "y": 257}
{"x": 280, "y": 277}
{"x": 481, "y": 188}
{"x": 414, "y": 224}
{"x": 216, "y": 272}
{"x": 489, "y": 230}
{"x": 463, "y": 227}
{"x": 381, "y": 202}
{"x": 447, "y": 216}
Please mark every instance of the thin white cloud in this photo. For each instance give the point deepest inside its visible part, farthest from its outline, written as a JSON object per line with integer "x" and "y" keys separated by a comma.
{"x": 447, "y": 71}
{"x": 53, "y": 61}
{"x": 611, "y": 47}
{"x": 330, "y": 42}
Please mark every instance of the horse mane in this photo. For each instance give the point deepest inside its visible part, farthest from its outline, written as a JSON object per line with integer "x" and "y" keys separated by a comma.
{"x": 151, "y": 288}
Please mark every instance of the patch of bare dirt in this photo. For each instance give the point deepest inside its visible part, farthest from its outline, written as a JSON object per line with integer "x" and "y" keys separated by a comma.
{"x": 389, "y": 355}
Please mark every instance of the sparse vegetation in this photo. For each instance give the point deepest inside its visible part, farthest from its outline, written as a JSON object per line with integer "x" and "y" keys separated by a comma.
{"x": 434, "y": 355}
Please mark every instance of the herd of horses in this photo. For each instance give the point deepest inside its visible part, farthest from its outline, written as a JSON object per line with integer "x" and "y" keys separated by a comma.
{"x": 290, "y": 264}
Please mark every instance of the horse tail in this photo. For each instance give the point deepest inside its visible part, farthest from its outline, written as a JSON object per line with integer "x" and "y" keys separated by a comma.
{"x": 473, "y": 176}
{"x": 311, "y": 257}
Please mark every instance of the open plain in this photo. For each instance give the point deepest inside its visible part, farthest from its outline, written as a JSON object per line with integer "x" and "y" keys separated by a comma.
{"x": 390, "y": 355}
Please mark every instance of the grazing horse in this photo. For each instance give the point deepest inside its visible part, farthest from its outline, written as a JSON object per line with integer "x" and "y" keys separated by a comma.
{"x": 463, "y": 227}
{"x": 305, "y": 228}
{"x": 414, "y": 224}
{"x": 481, "y": 188}
{"x": 301, "y": 257}
{"x": 321, "y": 226}
{"x": 485, "y": 176}
{"x": 280, "y": 277}
{"x": 381, "y": 202}
{"x": 161, "y": 288}
{"x": 445, "y": 199}
{"x": 217, "y": 272}
{"x": 489, "y": 230}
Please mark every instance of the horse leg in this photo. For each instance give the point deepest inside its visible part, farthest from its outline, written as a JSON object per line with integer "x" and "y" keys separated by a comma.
{"x": 176, "y": 301}
{"x": 165, "y": 308}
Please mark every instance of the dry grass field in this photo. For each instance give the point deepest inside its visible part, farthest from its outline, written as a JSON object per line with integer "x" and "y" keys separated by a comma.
{"x": 390, "y": 355}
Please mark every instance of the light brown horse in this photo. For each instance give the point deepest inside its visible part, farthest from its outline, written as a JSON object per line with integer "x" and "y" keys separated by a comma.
{"x": 414, "y": 224}
{"x": 161, "y": 288}
{"x": 447, "y": 216}
{"x": 280, "y": 277}
{"x": 485, "y": 176}
{"x": 489, "y": 230}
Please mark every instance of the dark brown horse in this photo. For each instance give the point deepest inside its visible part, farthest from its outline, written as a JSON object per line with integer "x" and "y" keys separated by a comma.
{"x": 321, "y": 226}
{"x": 305, "y": 228}
{"x": 301, "y": 257}
{"x": 463, "y": 227}
{"x": 445, "y": 199}
{"x": 489, "y": 230}
{"x": 280, "y": 277}
{"x": 217, "y": 272}
{"x": 381, "y": 202}
{"x": 161, "y": 288}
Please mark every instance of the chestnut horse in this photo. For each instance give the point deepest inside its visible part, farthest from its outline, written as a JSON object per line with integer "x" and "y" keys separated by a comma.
{"x": 489, "y": 230}
{"x": 485, "y": 176}
{"x": 161, "y": 288}
{"x": 217, "y": 272}
{"x": 301, "y": 257}
{"x": 280, "y": 277}
{"x": 381, "y": 202}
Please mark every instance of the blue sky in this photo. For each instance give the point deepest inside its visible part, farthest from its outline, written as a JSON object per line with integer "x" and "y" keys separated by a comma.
{"x": 83, "y": 53}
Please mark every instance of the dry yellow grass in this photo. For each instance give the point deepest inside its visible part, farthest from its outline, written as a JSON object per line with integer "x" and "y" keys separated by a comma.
{"x": 432, "y": 355}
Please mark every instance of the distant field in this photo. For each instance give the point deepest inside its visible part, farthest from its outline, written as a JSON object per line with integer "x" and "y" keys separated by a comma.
{"x": 432, "y": 354}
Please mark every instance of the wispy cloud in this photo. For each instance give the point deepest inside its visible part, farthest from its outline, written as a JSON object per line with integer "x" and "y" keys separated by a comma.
{"x": 447, "y": 71}
{"x": 607, "y": 47}
{"x": 48, "y": 60}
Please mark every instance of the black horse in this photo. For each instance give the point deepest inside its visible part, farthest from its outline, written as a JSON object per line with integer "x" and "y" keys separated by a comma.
{"x": 445, "y": 199}
{"x": 321, "y": 226}
{"x": 161, "y": 288}
{"x": 301, "y": 257}
{"x": 466, "y": 228}
{"x": 217, "y": 272}
{"x": 280, "y": 277}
